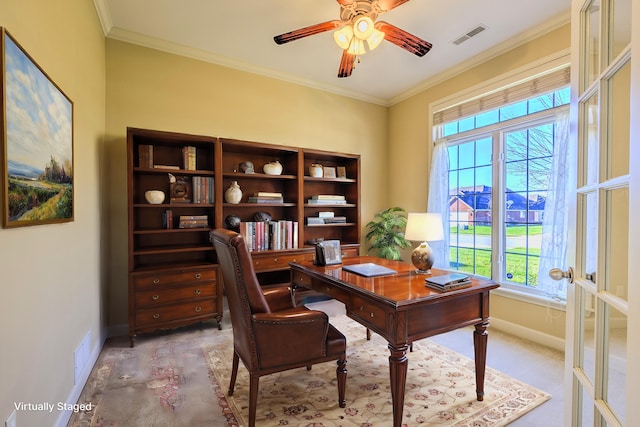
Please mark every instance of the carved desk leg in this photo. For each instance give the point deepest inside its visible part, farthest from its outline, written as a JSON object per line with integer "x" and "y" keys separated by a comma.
{"x": 480, "y": 337}
{"x": 398, "y": 365}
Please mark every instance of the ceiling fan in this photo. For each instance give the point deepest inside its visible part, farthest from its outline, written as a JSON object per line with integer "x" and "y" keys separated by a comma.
{"x": 357, "y": 25}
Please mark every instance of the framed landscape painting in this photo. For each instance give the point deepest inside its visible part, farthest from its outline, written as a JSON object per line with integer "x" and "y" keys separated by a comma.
{"x": 37, "y": 132}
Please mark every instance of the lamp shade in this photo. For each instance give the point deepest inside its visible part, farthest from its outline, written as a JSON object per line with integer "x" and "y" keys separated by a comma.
{"x": 422, "y": 227}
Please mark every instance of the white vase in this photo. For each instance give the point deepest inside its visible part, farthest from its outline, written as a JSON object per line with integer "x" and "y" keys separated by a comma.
{"x": 315, "y": 170}
{"x": 272, "y": 168}
{"x": 233, "y": 194}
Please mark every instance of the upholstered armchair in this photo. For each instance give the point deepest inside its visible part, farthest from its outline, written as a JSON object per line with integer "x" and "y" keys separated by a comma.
{"x": 270, "y": 334}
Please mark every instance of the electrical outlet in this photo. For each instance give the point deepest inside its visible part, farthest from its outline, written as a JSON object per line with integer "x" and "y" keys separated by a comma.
{"x": 11, "y": 421}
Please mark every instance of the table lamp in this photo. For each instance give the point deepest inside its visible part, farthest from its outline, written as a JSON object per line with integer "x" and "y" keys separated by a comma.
{"x": 422, "y": 227}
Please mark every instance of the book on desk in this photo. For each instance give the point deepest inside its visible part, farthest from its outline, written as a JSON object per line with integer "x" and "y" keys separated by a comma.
{"x": 448, "y": 282}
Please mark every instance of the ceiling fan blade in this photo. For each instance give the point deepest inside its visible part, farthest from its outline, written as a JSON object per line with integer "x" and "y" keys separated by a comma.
{"x": 403, "y": 39}
{"x": 387, "y": 5}
{"x": 307, "y": 31}
{"x": 346, "y": 64}
{"x": 348, "y": 2}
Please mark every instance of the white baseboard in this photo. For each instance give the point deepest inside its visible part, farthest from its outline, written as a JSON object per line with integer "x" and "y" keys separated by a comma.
{"x": 74, "y": 395}
{"x": 527, "y": 333}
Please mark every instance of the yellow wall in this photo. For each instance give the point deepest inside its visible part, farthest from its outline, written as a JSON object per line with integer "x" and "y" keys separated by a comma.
{"x": 409, "y": 133}
{"x": 51, "y": 275}
{"x": 150, "y": 89}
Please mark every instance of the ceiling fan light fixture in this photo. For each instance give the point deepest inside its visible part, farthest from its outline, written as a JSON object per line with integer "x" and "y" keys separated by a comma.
{"x": 343, "y": 36}
{"x": 356, "y": 47}
{"x": 363, "y": 27}
{"x": 375, "y": 39}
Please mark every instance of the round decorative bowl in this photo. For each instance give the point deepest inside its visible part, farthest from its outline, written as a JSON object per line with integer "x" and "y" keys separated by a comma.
{"x": 155, "y": 197}
{"x": 272, "y": 168}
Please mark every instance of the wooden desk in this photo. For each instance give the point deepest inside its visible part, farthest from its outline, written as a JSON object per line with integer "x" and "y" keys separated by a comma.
{"x": 402, "y": 309}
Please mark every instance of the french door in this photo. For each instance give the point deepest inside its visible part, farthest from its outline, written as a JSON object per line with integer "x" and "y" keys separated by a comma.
{"x": 602, "y": 301}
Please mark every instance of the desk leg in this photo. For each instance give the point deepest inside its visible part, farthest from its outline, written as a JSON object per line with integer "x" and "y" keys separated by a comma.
{"x": 480, "y": 337}
{"x": 398, "y": 364}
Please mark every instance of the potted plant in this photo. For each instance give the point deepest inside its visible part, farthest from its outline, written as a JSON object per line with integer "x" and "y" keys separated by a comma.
{"x": 386, "y": 233}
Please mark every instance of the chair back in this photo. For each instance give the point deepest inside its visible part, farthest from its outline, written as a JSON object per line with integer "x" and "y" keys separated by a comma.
{"x": 243, "y": 291}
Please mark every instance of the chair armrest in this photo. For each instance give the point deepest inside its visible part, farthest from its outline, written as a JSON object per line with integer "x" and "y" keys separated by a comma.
{"x": 279, "y": 298}
{"x": 292, "y": 336}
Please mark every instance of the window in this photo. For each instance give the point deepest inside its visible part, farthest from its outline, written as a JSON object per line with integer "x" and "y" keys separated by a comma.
{"x": 500, "y": 166}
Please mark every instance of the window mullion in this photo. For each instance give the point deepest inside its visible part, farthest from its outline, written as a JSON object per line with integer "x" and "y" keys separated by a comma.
{"x": 498, "y": 204}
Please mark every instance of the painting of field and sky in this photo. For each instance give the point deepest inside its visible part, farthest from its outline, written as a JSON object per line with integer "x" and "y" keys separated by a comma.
{"x": 38, "y": 143}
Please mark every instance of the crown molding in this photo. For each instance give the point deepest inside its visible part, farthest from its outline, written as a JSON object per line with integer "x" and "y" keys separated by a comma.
{"x": 116, "y": 33}
{"x": 103, "y": 15}
{"x": 523, "y": 38}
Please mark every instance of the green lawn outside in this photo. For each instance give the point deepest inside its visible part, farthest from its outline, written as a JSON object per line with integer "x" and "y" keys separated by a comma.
{"x": 515, "y": 264}
{"x": 519, "y": 230}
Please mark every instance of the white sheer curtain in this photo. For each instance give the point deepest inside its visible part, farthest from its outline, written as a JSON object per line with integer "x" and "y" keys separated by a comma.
{"x": 439, "y": 200}
{"x": 556, "y": 222}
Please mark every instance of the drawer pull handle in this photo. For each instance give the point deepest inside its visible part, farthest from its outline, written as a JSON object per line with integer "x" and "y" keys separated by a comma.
{"x": 197, "y": 275}
{"x": 371, "y": 314}
{"x": 156, "y": 316}
{"x": 362, "y": 308}
{"x": 197, "y": 291}
{"x": 155, "y": 297}
{"x": 156, "y": 281}
{"x": 198, "y": 309}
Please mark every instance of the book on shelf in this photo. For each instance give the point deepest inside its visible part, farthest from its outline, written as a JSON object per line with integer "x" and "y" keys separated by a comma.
{"x": 262, "y": 199}
{"x": 145, "y": 156}
{"x": 327, "y": 197}
{"x": 173, "y": 167}
{"x": 167, "y": 219}
{"x": 270, "y": 235}
{"x": 193, "y": 221}
{"x": 326, "y": 202}
{"x": 268, "y": 194}
{"x": 203, "y": 189}
{"x": 189, "y": 157}
{"x": 335, "y": 220}
{"x": 326, "y": 214}
{"x": 314, "y": 220}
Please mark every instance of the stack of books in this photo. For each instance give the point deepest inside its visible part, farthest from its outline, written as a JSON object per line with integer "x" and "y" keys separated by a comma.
{"x": 167, "y": 219}
{"x": 193, "y": 221}
{"x": 189, "y": 158}
{"x": 265, "y": 197}
{"x": 327, "y": 199}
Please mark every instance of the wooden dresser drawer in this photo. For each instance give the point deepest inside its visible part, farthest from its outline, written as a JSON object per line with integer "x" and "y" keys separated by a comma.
{"x": 368, "y": 313}
{"x": 161, "y": 279}
{"x": 168, "y": 295}
{"x": 169, "y": 313}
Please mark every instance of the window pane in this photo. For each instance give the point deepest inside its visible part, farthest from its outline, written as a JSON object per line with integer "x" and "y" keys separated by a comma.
{"x": 616, "y": 371}
{"x": 562, "y": 97}
{"x": 466, "y": 124}
{"x": 590, "y": 111}
{"x": 619, "y": 114}
{"x": 466, "y": 153}
{"x": 621, "y": 31}
{"x": 617, "y": 226}
{"x": 591, "y": 64}
{"x": 453, "y": 157}
{"x": 516, "y": 145}
{"x": 483, "y": 151}
{"x": 512, "y": 111}
{"x": 450, "y": 128}
{"x": 486, "y": 119}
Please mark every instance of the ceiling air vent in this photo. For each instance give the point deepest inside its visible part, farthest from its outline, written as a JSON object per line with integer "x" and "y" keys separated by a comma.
{"x": 463, "y": 38}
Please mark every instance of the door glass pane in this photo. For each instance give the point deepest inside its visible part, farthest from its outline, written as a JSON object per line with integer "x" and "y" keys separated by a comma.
{"x": 617, "y": 223}
{"x": 590, "y": 233}
{"x": 616, "y": 374}
{"x": 618, "y": 123}
{"x": 620, "y": 27}
{"x": 587, "y": 409}
{"x": 586, "y": 347}
{"x": 591, "y": 42}
{"x": 590, "y": 147}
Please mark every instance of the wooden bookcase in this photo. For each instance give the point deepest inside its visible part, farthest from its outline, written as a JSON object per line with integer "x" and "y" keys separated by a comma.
{"x": 173, "y": 277}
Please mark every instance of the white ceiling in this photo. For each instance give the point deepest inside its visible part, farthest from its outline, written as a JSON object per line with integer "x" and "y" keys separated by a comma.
{"x": 239, "y": 34}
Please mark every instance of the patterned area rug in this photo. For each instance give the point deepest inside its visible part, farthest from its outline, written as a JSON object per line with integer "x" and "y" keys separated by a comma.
{"x": 440, "y": 389}
{"x": 181, "y": 379}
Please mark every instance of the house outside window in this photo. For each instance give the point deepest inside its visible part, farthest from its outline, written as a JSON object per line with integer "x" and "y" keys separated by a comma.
{"x": 500, "y": 165}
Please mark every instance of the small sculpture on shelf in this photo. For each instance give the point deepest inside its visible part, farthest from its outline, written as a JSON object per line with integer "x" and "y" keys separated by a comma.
{"x": 232, "y": 222}
{"x": 316, "y": 170}
{"x": 246, "y": 166}
{"x": 262, "y": 217}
